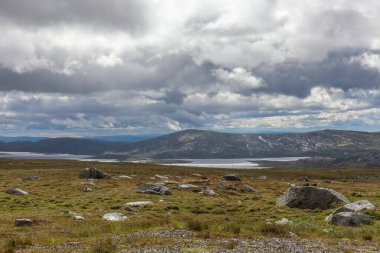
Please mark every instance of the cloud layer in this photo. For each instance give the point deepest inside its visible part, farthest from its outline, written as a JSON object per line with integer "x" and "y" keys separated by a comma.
{"x": 128, "y": 66}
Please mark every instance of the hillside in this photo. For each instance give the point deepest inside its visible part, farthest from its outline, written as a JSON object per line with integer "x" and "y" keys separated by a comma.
{"x": 209, "y": 144}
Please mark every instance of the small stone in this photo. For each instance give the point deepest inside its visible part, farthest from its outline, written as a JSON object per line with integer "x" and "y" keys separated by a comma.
{"x": 187, "y": 186}
{"x": 23, "y": 222}
{"x": 160, "y": 177}
{"x": 196, "y": 175}
{"x": 231, "y": 177}
{"x": 124, "y": 177}
{"x": 247, "y": 188}
{"x": 328, "y": 181}
{"x": 225, "y": 187}
{"x": 78, "y": 217}
{"x": 127, "y": 206}
{"x": 154, "y": 189}
{"x": 30, "y": 178}
{"x": 209, "y": 192}
{"x": 87, "y": 189}
{"x": 114, "y": 217}
{"x": 16, "y": 191}
{"x": 263, "y": 177}
{"x": 284, "y": 222}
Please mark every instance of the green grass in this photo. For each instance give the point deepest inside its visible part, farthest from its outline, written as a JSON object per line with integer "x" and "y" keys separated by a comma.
{"x": 232, "y": 214}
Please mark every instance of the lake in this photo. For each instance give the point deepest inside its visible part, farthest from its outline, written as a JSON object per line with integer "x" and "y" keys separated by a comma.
{"x": 236, "y": 163}
{"x": 30, "y": 155}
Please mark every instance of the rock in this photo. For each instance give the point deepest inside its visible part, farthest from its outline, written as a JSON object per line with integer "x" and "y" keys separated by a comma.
{"x": 306, "y": 184}
{"x": 356, "y": 206}
{"x": 247, "y": 188}
{"x": 78, "y": 217}
{"x": 328, "y": 181}
{"x": 160, "y": 177}
{"x": 209, "y": 192}
{"x": 310, "y": 197}
{"x": 187, "y": 186}
{"x": 114, "y": 216}
{"x": 225, "y": 187}
{"x": 154, "y": 189}
{"x": 304, "y": 178}
{"x": 231, "y": 177}
{"x": 30, "y": 178}
{"x": 93, "y": 173}
{"x": 23, "y": 222}
{"x": 16, "y": 191}
{"x": 348, "y": 219}
{"x": 284, "y": 222}
{"x": 196, "y": 175}
{"x": 87, "y": 189}
{"x": 129, "y": 205}
{"x": 263, "y": 177}
{"x": 124, "y": 177}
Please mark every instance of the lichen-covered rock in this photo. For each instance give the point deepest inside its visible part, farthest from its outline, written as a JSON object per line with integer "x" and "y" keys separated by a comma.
{"x": 356, "y": 206}
{"x": 284, "y": 222}
{"x": 310, "y": 197}
{"x": 231, "y": 177}
{"x": 348, "y": 219}
{"x": 94, "y": 173}
{"x": 154, "y": 189}
{"x": 16, "y": 191}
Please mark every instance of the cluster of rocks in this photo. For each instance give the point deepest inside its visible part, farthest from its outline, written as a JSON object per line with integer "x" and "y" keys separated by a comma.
{"x": 310, "y": 197}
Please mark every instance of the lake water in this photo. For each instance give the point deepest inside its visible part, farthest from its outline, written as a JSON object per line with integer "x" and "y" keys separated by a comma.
{"x": 238, "y": 163}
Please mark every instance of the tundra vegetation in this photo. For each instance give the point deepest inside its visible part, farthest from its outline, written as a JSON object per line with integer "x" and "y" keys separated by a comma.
{"x": 56, "y": 199}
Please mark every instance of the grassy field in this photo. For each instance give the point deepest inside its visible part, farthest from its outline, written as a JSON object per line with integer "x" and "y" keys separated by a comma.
{"x": 232, "y": 214}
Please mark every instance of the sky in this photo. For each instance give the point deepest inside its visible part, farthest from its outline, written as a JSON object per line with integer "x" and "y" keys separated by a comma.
{"x": 94, "y": 67}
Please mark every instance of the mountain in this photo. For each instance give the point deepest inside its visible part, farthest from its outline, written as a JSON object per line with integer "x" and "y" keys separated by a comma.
{"x": 210, "y": 144}
{"x": 21, "y": 138}
{"x": 66, "y": 146}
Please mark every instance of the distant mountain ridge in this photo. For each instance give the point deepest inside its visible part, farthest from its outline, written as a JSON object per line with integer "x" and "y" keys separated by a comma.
{"x": 210, "y": 144}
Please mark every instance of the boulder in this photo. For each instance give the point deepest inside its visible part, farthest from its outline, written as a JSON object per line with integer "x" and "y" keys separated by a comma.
{"x": 310, "y": 197}
{"x": 209, "y": 192}
{"x": 154, "y": 189}
{"x": 23, "y": 222}
{"x": 348, "y": 219}
{"x": 231, "y": 177}
{"x": 94, "y": 173}
{"x": 16, "y": 191}
{"x": 356, "y": 206}
{"x": 130, "y": 205}
{"x": 114, "y": 216}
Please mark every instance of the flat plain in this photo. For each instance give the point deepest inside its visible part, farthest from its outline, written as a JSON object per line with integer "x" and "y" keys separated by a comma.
{"x": 186, "y": 221}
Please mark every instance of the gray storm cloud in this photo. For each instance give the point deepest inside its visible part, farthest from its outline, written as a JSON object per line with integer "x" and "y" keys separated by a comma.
{"x": 75, "y": 65}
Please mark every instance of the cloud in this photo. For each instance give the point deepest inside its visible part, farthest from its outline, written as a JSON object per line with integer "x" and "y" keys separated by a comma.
{"x": 129, "y": 65}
